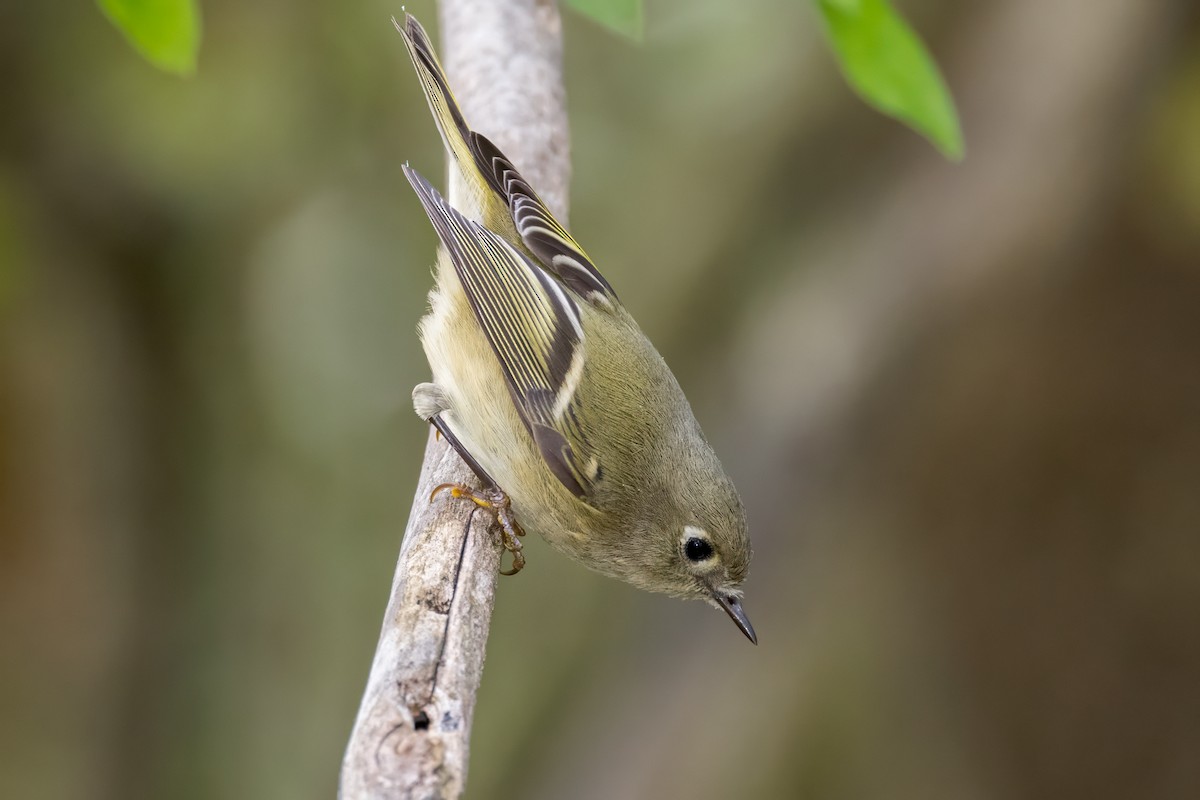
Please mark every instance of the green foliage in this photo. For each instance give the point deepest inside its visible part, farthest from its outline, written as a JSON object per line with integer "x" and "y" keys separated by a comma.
{"x": 165, "y": 32}
{"x": 622, "y": 16}
{"x": 884, "y": 61}
{"x": 880, "y": 55}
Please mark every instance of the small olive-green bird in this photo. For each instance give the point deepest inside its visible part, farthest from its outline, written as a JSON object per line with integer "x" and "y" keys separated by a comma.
{"x": 549, "y": 390}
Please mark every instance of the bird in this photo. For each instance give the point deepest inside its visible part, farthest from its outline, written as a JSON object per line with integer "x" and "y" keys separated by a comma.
{"x": 549, "y": 390}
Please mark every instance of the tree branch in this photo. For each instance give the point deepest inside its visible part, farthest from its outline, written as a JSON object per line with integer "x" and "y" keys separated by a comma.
{"x": 412, "y": 732}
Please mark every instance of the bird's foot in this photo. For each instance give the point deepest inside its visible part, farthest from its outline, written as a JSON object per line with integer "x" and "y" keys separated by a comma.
{"x": 498, "y": 503}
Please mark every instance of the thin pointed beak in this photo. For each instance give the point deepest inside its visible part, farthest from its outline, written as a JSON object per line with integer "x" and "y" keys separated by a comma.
{"x": 733, "y": 607}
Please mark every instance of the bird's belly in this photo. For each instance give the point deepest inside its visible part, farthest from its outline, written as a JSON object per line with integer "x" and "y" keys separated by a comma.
{"x": 485, "y": 420}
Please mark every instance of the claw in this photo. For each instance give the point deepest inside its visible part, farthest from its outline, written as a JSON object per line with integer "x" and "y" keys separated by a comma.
{"x": 518, "y": 562}
{"x": 498, "y": 503}
{"x": 458, "y": 491}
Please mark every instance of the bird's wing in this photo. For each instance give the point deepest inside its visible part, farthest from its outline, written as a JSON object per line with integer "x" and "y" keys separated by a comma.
{"x": 533, "y": 327}
{"x": 545, "y": 237}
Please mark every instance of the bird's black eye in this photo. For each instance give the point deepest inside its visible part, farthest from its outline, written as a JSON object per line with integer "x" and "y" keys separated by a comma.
{"x": 697, "y": 549}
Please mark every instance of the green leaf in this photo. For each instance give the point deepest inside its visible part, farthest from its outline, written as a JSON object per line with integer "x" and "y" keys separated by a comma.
{"x": 165, "y": 32}
{"x": 622, "y": 16}
{"x": 884, "y": 61}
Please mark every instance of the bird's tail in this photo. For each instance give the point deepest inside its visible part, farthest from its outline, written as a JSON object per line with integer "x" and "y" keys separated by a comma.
{"x": 497, "y": 195}
{"x": 456, "y": 134}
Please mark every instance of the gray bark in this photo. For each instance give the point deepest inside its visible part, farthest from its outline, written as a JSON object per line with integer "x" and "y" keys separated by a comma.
{"x": 411, "y": 737}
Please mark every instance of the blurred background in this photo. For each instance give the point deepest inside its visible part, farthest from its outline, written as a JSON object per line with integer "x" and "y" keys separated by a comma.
{"x": 962, "y": 404}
